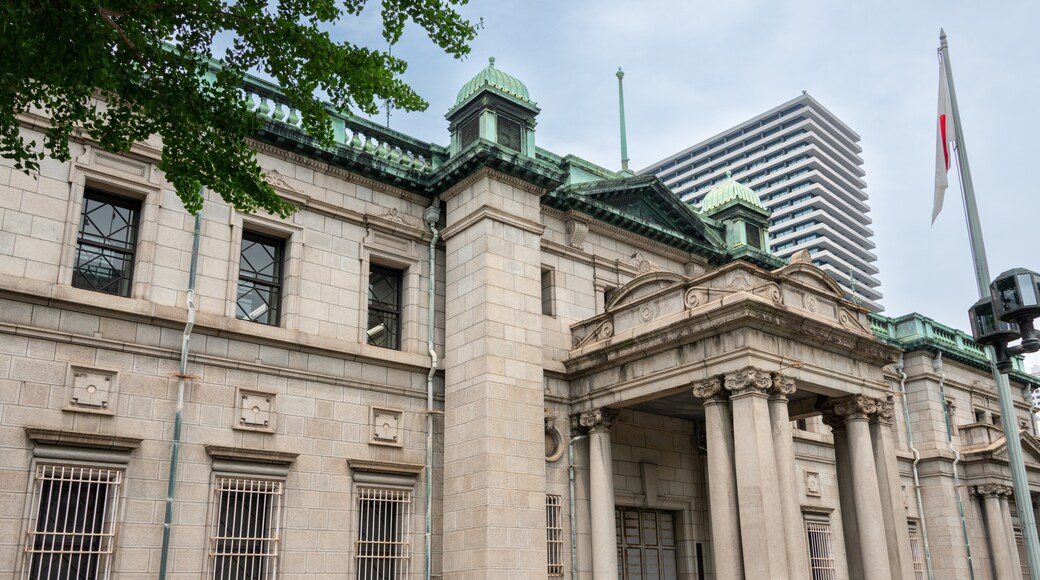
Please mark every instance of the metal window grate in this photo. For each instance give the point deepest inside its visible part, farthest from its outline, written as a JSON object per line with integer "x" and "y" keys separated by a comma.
{"x": 245, "y": 539}
{"x": 73, "y": 526}
{"x": 916, "y": 552}
{"x": 384, "y": 546}
{"x": 554, "y": 533}
{"x": 821, "y": 558}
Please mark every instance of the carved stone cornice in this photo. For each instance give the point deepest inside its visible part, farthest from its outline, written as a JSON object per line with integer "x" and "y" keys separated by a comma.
{"x": 599, "y": 419}
{"x": 710, "y": 390}
{"x": 856, "y": 407}
{"x": 992, "y": 489}
{"x": 747, "y": 381}
{"x": 782, "y": 387}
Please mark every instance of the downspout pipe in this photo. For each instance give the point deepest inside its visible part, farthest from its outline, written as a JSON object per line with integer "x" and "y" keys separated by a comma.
{"x": 917, "y": 459}
{"x": 938, "y": 367}
{"x": 182, "y": 376}
{"x": 431, "y": 216}
{"x": 573, "y": 502}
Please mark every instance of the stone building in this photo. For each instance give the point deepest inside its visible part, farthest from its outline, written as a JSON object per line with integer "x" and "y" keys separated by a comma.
{"x": 396, "y": 381}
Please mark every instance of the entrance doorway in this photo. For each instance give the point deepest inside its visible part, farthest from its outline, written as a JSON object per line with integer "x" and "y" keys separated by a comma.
{"x": 646, "y": 544}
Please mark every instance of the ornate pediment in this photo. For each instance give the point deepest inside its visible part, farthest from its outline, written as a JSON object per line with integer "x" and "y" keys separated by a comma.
{"x": 812, "y": 277}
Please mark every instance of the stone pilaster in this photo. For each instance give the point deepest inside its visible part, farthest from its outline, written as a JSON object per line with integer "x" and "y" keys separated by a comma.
{"x": 857, "y": 411}
{"x": 1005, "y": 509}
{"x": 494, "y": 442}
{"x": 601, "y": 492}
{"x": 846, "y": 502}
{"x": 758, "y": 499}
{"x": 783, "y": 447}
{"x": 722, "y": 479}
{"x": 1000, "y": 549}
{"x": 897, "y": 532}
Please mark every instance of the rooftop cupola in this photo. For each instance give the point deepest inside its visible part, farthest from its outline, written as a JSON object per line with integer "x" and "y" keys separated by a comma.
{"x": 496, "y": 107}
{"x": 739, "y": 208}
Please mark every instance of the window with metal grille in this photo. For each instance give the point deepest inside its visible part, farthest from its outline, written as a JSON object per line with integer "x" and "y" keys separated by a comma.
{"x": 106, "y": 244}
{"x": 72, "y": 525}
{"x": 554, "y": 533}
{"x": 821, "y": 555}
{"x": 384, "y": 307}
{"x": 510, "y": 133}
{"x": 260, "y": 279}
{"x": 468, "y": 132}
{"x": 244, "y": 540}
{"x": 916, "y": 551}
{"x": 646, "y": 543}
{"x": 384, "y": 539}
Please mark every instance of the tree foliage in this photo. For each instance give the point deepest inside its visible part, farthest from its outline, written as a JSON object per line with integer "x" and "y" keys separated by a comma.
{"x": 123, "y": 70}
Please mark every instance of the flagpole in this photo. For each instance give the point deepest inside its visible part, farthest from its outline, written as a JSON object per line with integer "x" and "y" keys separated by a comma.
{"x": 1007, "y": 407}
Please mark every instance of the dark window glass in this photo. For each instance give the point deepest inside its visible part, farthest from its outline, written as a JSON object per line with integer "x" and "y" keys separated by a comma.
{"x": 469, "y": 132}
{"x": 384, "y": 307}
{"x": 107, "y": 239}
{"x": 509, "y": 133}
{"x": 260, "y": 279}
{"x": 754, "y": 237}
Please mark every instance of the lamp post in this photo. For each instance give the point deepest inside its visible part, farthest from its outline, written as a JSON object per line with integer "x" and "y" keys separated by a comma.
{"x": 1005, "y": 316}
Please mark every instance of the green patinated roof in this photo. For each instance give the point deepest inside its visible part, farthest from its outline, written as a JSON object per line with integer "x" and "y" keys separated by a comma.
{"x": 728, "y": 191}
{"x": 493, "y": 77}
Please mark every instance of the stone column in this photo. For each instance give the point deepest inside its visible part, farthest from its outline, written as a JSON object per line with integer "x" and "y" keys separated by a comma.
{"x": 601, "y": 492}
{"x": 847, "y": 504}
{"x": 873, "y": 546}
{"x": 758, "y": 499}
{"x": 890, "y": 486}
{"x": 1009, "y": 527}
{"x": 1000, "y": 551}
{"x": 783, "y": 446}
{"x": 722, "y": 480}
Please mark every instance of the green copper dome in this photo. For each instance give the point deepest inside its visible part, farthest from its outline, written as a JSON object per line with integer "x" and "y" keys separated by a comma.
{"x": 728, "y": 191}
{"x": 493, "y": 77}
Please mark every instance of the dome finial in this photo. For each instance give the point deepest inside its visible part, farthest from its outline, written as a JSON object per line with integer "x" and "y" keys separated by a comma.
{"x": 491, "y": 61}
{"x": 729, "y": 174}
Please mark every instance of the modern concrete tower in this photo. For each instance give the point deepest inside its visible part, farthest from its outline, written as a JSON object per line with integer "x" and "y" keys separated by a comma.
{"x": 804, "y": 163}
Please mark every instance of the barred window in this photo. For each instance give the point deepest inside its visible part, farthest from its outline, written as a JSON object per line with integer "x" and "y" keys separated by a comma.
{"x": 384, "y": 307}
{"x": 554, "y": 532}
{"x": 384, "y": 547}
{"x": 916, "y": 551}
{"x": 244, "y": 541}
{"x": 821, "y": 554}
{"x": 510, "y": 133}
{"x": 260, "y": 279}
{"x": 73, "y": 522}
{"x": 106, "y": 244}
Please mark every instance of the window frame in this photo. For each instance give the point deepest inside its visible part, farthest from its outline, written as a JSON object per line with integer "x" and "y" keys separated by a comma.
{"x": 264, "y": 562}
{"x": 554, "y": 543}
{"x": 252, "y": 236}
{"x": 398, "y": 534}
{"x": 818, "y": 564}
{"x": 376, "y": 308}
{"x": 917, "y": 555}
{"x": 130, "y": 255}
{"x": 103, "y": 538}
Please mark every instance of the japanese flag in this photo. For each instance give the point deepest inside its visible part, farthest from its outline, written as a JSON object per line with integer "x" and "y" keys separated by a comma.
{"x": 943, "y": 138}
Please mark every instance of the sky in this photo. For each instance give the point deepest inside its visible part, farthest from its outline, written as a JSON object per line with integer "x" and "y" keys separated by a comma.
{"x": 695, "y": 68}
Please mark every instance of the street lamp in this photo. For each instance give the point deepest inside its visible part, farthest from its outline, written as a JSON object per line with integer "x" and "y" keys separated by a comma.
{"x": 1008, "y": 316}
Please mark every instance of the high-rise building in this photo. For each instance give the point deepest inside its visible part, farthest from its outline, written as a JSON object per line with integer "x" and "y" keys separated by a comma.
{"x": 804, "y": 163}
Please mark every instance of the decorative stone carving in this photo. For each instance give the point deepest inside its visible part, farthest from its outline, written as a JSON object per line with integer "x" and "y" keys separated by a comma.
{"x": 648, "y": 311}
{"x": 885, "y": 412}
{"x": 693, "y": 269}
{"x": 693, "y": 298}
{"x": 809, "y": 302}
{"x": 255, "y": 410}
{"x": 710, "y": 390}
{"x": 740, "y": 284}
{"x": 856, "y": 407}
{"x": 274, "y": 179}
{"x": 576, "y": 232}
{"x": 834, "y": 421}
{"x": 386, "y": 427}
{"x": 849, "y": 320}
{"x": 641, "y": 264}
{"x": 748, "y": 380}
{"x": 92, "y": 390}
{"x": 772, "y": 291}
{"x": 553, "y": 440}
{"x": 812, "y": 484}
{"x": 602, "y": 332}
{"x": 992, "y": 489}
{"x": 393, "y": 215}
{"x": 783, "y": 385}
{"x": 596, "y": 419}
{"x": 801, "y": 257}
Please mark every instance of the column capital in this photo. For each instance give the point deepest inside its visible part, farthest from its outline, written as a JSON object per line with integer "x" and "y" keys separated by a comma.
{"x": 992, "y": 489}
{"x": 783, "y": 386}
{"x": 748, "y": 380}
{"x": 885, "y": 412}
{"x": 600, "y": 419}
{"x": 833, "y": 420}
{"x": 710, "y": 390}
{"x": 856, "y": 407}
